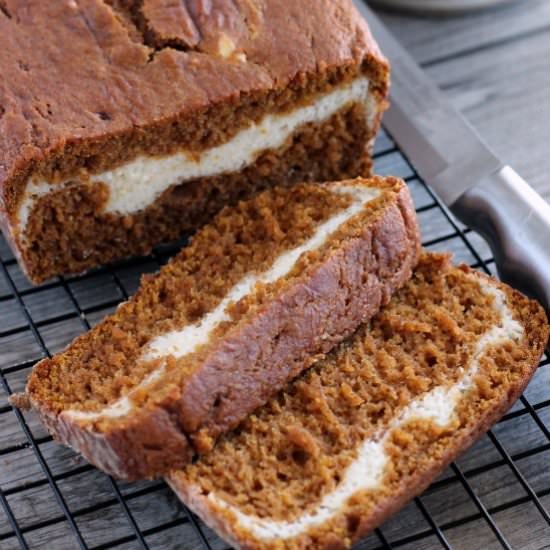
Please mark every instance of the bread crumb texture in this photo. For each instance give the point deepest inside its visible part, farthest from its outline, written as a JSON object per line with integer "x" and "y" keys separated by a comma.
{"x": 102, "y": 365}
{"x": 290, "y": 453}
{"x": 69, "y": 231}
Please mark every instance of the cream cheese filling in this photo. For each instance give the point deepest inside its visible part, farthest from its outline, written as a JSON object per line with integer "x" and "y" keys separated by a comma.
{"x": 367, "y": 470}
{"x": 137, "y": 184}
{"x": 179, "y": 343}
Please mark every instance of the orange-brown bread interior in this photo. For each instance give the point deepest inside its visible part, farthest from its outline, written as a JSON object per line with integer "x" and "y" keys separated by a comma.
{"x": 68, "y": 231}
{"x": 286, "y": 456}
{"x": 100, "y": 367}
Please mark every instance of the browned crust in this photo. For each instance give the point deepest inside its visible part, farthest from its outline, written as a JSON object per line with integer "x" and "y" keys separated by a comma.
{"x": 213, "y": 517}
{"x": 142, "y": 448}
{"x": 350, "y": 286}
{"x": 314, "y": 314}
{"x": 130, "y": 97}
{"x": 145, "y": 92}
{"x": 535, "y": 322}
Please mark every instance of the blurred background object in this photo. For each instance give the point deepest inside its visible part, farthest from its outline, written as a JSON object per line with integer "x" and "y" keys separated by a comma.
{"x": 494, "y": 65}
{"x": 438, "y": 6}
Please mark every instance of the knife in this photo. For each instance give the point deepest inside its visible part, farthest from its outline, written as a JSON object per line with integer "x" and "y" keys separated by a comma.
{"x": 478, "y": 188}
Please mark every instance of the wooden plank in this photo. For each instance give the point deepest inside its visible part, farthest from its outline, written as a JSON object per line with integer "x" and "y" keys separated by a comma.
{"x": 5, "y": 251}
{"x": 532, "y": 533}
{"x": 58, "y": 335}
{"x": 179, "y": 536}
{"x": 102, "y": 526}
{"x": 11, "y": 317}
{"x": 372, "y": 542}
{"x": 5, "y": 290}
{"x": 27, "y": 506}
{"x": 393, "y": 164}
{"x": 18, "y": 348}
{"x": 484, "y": 453}
{"x": 434, "y": 224}
{"x": 420, "y": 195}
{"x": 95, "y": 291}
{"x": 409, "y": 521}
{"x": 474, "y": 535}
{"x": 429, "y": 39}
{"x": 48, "y": 303}
{"x": 11, "y": 434}
{"x": 57, "y": 536}
{"x": 530, "y": 467}
{"x": 428, "y": 543}
{"x": 505, "y": 93}
{"x": 539, "y": 388}
{"x": 167, "y": 508}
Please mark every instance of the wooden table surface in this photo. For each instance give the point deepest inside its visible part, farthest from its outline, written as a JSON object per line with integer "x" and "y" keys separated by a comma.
{"x": 495, "y": 66}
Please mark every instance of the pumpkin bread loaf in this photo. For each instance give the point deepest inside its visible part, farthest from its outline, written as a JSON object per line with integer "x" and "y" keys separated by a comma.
{"x": 124, "y": 123}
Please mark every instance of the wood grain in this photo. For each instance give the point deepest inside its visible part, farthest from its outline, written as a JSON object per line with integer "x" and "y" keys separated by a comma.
{"x": 495, "y": 66}
{"x": 505, "y": 93}
{"x": 430, "y": 39}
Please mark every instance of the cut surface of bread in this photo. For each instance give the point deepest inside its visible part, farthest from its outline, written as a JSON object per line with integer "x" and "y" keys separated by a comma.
{"x": 352, "y": 439}
{"x": 136, "y": 133}
{"x": 261, "y": 293}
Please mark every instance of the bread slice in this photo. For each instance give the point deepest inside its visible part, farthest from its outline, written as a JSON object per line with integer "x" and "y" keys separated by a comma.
{"x": 355, "y": 437}
{"x": 270, "y": 286}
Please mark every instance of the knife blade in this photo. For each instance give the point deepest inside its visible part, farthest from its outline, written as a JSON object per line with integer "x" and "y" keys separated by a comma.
{"x": 469, "y": 178}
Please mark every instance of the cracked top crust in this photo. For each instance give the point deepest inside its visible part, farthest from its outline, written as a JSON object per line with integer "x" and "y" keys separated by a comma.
{"x": 79, "y": 73}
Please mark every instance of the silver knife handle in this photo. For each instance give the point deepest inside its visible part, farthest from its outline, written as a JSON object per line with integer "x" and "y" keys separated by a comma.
{"x": 515, "y": 220}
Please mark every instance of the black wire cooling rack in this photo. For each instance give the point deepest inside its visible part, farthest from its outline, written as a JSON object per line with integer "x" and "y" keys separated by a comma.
{"x": 496, "y": 496}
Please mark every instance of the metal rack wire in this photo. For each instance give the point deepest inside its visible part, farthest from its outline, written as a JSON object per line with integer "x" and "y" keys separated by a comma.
{"x": 497, "y": 495}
